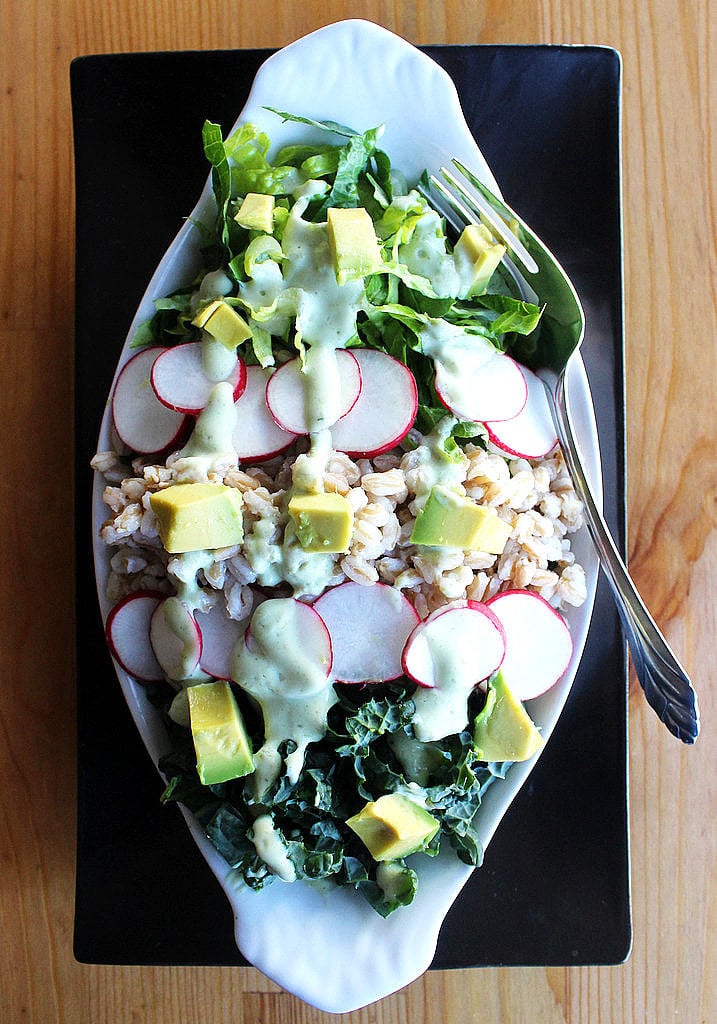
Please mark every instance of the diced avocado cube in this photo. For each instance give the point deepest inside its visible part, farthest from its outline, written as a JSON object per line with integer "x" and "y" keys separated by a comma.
{"x": 393, "y": 826}
{"x": 476, "y": 245}
{"x": 221, "y": 742}
{"x": 256, "y": 212}
{"x": 503, "y": 730}
{"x": 353, "y": 244}
{"x": 323, "y": 521}
{"x": 452, "y": 520}
{"x": 223, "y": 323}
{"x": 192, "y": 517}
{"x": 493, "y": 536}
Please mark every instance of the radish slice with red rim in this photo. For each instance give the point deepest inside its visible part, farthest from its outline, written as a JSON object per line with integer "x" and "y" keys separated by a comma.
{"x": 180, "y": 381}
{"x": 538, "y": 642}
{"x": 127, "y": 631}
{"x": 531, "y": 434}
{"x": 220, "y": 634}
{"x": 257, "y": 436}
{"x": 385, "y": 409}
{"x": 175, "y": 638}
{"x": 464, "y": 639}
{"x": 286, "y": 391}
{"x": 483, "y": 389}
{"x": 369, "y": 627}
{"x": 141, "y": 421}
{"x": 448, "y": 654}
{"x": 304, "y": 621}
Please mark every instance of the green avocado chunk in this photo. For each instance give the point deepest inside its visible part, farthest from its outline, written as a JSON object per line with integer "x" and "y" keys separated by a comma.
{"x": 393, "y": 826}
{"x": 451, "y": 520}
{"x": 503, "y": 730}
{"x": 222, "y": 322}
{"x": 323, "y": 521}
{"x": 256, "y": 212}
{"x": 477, "y": 247}
{"x": 192, "y": 517}
{"x": 220, "y": 738}
{"x": 352, "y": 243}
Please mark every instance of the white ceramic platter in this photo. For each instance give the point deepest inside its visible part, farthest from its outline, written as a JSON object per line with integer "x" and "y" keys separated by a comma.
{"x": 329, "y": 947}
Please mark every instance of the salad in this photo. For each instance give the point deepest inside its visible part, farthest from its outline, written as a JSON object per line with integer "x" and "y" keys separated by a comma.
{"x": 338, "y": 518}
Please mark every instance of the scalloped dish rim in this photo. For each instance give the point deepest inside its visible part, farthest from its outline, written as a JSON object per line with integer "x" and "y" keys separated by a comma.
{"x": 377, "y": 956}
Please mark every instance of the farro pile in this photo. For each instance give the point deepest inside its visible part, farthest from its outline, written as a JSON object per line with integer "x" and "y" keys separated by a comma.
{"x": 535, "y": 496}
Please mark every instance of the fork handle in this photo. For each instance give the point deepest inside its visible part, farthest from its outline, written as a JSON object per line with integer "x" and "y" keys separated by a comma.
{"x": 667, "y": 687}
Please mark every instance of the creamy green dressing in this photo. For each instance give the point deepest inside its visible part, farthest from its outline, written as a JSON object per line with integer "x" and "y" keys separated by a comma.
{"x": 211, "y": 444}
{"x": 218, "y": 361}
{"x": 189, "y": 596}
{"x": 308, "y": 573}
{"x": 458, "y": 354}
{"x": 269, "y": 302}
{"x": 175, "y": 616}
{"x": 273, "y": 561}
{"x": 435, "y": 466}
{"x": 263, "y": 553}
{"x": 442, "y": 710}
{"x": 325, "y": 312}
{"x": 214, "y": 285}
{"x": 322, "y": 387}
{"x": 308, "y": 469}
{"x": 271, "y": 849}
{"x": 290, "y": 684}
{"x": 425, "y": 254}
{"x": 184, "y": 569}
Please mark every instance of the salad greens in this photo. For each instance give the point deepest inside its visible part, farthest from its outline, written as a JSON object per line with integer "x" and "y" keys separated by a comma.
{"x": 369, "y": 748}
{"x": 356, "y": 762}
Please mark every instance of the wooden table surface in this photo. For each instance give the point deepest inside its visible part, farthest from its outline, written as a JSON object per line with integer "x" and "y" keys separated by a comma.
{"x": 668, "y": 49}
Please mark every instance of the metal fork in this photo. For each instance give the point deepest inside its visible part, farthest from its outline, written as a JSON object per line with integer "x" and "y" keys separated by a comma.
{"x": 562, "y": 327}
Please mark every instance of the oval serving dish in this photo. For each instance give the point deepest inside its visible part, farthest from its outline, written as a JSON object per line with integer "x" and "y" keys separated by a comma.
{"x": 355, "y": 956}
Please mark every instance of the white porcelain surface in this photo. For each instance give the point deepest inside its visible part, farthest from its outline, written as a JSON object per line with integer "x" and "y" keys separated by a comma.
{"x": 329, "y": 947}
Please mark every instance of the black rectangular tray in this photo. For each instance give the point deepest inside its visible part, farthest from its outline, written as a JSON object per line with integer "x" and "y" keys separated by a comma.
{"x": 554, "y": 888}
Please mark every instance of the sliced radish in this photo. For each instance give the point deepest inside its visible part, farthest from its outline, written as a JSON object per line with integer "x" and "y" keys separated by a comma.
{"x": 180, "y": 381}
{"x": 257, "y": 435}
{"x": 286, "y": 392}
{"x": 142, "y": 423}
{"x": 538, "y": 642}
{"x": 304, "y": 641}
{"x": 457, "y": 645}
{"x": 175, "y": 638}
{"x": 369, "y": 627}
{"x": 530, "y": 434}
{"x": 385, "y": 410}
{"x": 448, "y": 654}
{"x": 127, "y": 631}
{"x": 220, "y": 634}
{"x": 482, "y": 389}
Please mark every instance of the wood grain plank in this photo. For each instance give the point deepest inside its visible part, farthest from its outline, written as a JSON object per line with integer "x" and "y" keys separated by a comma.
{"x": 668, "y": 51}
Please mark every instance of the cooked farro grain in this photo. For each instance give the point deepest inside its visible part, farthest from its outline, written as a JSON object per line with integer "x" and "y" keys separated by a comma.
{"x": 535, "y": 498}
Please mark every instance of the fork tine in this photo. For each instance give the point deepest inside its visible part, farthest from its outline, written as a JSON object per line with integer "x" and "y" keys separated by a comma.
{"x": 478, "y": 205}
{"x": 454, "y": 204}
{"x": 499, "y": 205}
